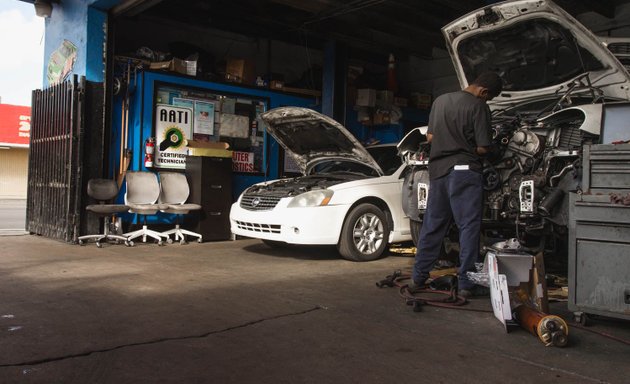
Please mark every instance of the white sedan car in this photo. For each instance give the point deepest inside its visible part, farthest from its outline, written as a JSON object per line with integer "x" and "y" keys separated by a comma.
{"x": 344, "y": 198}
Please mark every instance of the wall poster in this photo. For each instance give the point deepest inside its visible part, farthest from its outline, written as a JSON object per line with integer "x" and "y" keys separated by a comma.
{"x": 204, "y": 118}
{"x": 213, "y": 116}
{"x": 173, "y": 128}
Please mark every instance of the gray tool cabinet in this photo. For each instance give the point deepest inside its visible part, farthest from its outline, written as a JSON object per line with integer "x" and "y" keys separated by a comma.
{"x": 599, "y": 235}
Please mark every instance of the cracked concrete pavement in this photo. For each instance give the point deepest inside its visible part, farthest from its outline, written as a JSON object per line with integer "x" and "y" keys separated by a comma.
{"x": 241, "y": 312}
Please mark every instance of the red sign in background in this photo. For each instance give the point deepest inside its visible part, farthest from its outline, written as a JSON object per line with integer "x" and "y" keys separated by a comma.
{"x": 15, "y": 125}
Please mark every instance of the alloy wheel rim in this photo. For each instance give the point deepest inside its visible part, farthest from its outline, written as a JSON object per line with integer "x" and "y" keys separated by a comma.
{"x": 368, "y": 233}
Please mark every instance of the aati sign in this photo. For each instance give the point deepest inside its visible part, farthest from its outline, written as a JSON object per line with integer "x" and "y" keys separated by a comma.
{"x": 173, "y": 127}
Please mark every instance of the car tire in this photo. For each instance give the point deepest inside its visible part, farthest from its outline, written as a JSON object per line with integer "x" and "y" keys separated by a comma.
{"x": 414, "y": 227}
{"x": 364, "y": 234}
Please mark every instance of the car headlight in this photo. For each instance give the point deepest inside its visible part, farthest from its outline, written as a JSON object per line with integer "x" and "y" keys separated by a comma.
{"x": 316, "y": 198}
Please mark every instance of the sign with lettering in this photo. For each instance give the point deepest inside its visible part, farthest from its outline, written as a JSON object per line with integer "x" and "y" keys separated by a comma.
{"x": 173, "y": 129}
{"x": 243, "y": 161}
{"x": 15, "y": 125}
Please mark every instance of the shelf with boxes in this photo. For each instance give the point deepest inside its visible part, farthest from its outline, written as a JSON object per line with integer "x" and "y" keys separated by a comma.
{"x": 380, "y": 116}
{"x": 383, "y": 107}
{"x": 231, "y": 70}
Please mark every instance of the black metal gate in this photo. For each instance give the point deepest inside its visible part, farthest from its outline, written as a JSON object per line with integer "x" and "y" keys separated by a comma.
{"x": 54, "y": 192}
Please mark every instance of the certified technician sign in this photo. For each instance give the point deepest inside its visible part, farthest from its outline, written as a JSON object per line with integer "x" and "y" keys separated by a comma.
{"x": 173, "y": 127}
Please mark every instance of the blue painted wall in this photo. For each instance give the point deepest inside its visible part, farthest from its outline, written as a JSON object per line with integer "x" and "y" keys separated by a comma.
{"x": 141, "y": 124}
{"x": 84, "y": 26}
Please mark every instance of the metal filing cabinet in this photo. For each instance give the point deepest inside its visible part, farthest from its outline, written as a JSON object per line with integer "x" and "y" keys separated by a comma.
{"x": 210, "y": 181}
{"x": 599, "y": 236}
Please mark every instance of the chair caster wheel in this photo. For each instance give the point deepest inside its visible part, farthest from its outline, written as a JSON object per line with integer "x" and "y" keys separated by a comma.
{"x": 183, "y": 242}
{"x": 199, "y": 240}
{"x": 81, "y": 242}
{"x": 99, "y": 245}
{"x": 129, "y": 243}
{"x": 160, "y": 243}
{"x": 170, "y": 241}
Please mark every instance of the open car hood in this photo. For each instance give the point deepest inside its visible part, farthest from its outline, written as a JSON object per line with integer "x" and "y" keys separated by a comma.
{"x": 310, "y": 137}
{"x": 536, "y": 47}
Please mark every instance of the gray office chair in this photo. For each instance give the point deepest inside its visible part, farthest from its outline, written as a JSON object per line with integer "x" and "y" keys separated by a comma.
{"x": 104, "y": 191}
{"x": 142, "y": 194}
{"x": 174, "y": 191}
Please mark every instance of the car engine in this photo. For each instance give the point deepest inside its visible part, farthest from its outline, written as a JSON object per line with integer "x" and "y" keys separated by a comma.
{"x": 534, "y": 162}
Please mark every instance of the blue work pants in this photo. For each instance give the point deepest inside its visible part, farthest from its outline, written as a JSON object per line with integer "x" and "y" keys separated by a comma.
{"x": 457, "y": 196}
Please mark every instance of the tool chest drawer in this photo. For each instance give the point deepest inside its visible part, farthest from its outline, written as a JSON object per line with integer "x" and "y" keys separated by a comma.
{"x": 599, "y": 256}
{"x": 606, "y": 168}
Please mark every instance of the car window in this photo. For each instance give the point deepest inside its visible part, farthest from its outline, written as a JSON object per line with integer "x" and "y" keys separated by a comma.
{"x": 342, "y": 166}
{"x": 386, "y": 157}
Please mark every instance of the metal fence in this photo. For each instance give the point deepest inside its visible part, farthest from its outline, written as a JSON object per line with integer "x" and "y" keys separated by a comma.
{"x": 54, "y": 192}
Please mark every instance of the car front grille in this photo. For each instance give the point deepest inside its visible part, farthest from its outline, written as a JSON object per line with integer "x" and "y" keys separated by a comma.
{"x": 256, "y": 227}
{"x": 259, "y": 203}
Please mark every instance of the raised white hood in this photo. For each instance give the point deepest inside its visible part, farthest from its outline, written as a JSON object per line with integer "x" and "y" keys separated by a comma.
{"x": 536, "y": 47}
{"x": 309, "y": 137}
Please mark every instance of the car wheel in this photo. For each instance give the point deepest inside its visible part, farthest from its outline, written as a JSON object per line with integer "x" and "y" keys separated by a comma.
{"x": 414, "y": 227}
{"x": 364, "y": 234}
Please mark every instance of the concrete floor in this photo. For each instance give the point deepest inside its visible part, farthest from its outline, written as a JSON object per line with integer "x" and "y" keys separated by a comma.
{"x": 241, "y": 312}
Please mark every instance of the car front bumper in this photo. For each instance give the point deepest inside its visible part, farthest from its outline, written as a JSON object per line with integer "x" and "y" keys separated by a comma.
{"x": 312, "y": 225}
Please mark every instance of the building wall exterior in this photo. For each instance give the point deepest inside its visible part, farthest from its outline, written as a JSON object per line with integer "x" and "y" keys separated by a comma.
{"x": 81, "y": 25}
{"x": 15, "y": 130}
{"x": 13, "y": 173}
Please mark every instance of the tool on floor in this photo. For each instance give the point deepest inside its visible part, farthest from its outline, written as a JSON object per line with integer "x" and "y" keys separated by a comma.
{"x": 389, "y": 280}
{"x": 430, "y": 295}
{"x": 550, "y": 329}
{"x": 446, "y": 283}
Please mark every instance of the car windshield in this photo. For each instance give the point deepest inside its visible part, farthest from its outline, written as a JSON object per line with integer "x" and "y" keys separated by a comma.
{"x": 344, "y": 166}
{"x": 387, "y": 158}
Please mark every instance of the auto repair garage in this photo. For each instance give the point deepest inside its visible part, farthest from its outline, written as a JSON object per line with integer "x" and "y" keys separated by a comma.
{"x": 254, "y": 175}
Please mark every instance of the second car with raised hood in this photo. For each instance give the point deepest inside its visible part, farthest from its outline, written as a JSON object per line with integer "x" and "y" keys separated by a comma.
{"x": 559, "y": 82}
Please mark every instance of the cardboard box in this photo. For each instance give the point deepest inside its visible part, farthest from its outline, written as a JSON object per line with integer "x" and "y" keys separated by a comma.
{"x": 239, "y": 71}
{"x": 186, "y": 67}
{"x": 501, "y": 279}
{"x": 208, "y": 148}
{"x": 381, "y": 117}
{"x": 514, "y": 275}
{"x": 401, "y": 101}
{"x": 366, "y": 97}
{"x": 364, "y": 116}
{"x": 384, "y": 99}
{"x": 276, "y": 84}
{"x": 421, "y": 100}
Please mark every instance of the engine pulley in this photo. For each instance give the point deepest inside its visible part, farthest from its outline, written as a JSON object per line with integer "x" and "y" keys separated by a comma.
{"x": 491, "y": 179}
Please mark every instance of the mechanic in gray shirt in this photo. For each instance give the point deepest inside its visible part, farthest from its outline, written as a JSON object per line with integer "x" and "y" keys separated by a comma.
{"x": 459, "y": 133}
